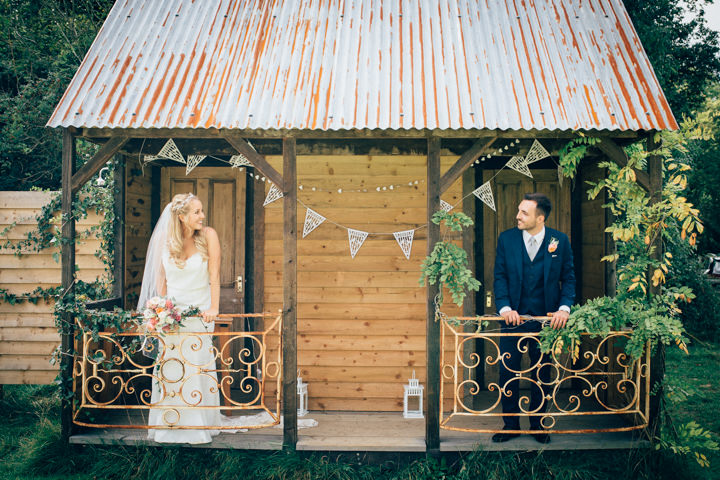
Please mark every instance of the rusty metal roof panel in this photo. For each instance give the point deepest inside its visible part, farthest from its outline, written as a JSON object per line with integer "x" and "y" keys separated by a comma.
{"x": 366, "y": 64}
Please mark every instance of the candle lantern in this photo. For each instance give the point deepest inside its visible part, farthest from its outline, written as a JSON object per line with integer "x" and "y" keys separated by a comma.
{"x": 302, "y": 392}
{"x": 413, "y": 390}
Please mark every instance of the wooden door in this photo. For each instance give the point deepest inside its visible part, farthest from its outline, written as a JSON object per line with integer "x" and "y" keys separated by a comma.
{"x": 509, "y": 187}
{"x": 222, "y": 192}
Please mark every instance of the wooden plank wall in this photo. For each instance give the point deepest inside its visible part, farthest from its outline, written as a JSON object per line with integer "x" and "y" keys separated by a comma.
{"x": 27, "y": 332}
{"x": 138, "y": 227}
{"x": 361, "y": 321}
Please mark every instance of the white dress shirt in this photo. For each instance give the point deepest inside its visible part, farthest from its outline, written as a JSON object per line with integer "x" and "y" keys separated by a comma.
{"x": 532, "y": 251}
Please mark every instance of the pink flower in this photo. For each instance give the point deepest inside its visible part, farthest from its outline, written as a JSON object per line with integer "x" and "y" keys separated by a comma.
{"x": 168, "y": 304}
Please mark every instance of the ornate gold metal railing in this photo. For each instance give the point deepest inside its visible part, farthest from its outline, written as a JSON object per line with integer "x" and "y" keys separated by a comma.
{"x": 604, "y": 390}
{"x": 116, "y": 386}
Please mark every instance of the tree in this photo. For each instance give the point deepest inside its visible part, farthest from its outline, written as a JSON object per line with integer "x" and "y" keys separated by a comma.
{"x": 42, "y": 43}
{"x": 683, "y": 51}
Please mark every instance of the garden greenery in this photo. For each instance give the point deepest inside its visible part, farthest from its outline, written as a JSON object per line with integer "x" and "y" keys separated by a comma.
{"x": 653, "y": 314}
{"x": 447, "y": 265}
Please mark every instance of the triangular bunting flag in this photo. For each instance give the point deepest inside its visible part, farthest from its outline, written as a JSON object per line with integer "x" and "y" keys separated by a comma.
{"x": 405, "y": 240}
{"x": 484, "y": 193}
{"x": 171, "y": 152}
{"x": 237, "y": 161}
{"x": 560, "y": 175}
{"x": 518, "y": 164}
{"x": 192, "y": 162}
{"x": 312, "y": 221}
{"x": 445, "y": 205}
{"x": 537, "y": 152}
{"x": 356, "y": 238}
{"x": 273, "y": 194}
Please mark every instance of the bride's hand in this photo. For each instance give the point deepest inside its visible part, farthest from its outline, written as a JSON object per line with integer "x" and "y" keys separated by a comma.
{"x": 209, "y": 315}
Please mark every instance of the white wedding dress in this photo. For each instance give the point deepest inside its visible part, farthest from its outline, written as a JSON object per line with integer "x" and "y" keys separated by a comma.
{"x": 185, "y": 390}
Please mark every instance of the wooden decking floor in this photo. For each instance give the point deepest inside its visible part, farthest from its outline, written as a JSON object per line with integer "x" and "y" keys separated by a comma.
{"x": 381, "y": 432}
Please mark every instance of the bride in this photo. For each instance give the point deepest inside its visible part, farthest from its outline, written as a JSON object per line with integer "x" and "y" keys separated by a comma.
{"x": 183, "y": 263}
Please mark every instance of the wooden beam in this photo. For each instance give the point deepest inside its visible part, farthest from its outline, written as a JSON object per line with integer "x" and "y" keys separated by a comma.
{"x": 119, "y": 229}
{"x": 289, "y": 326}
{"x": 617, "y": 155}
{"x": 255, "y": 158}
{"x": 470, "y": 303}
{"x": 67, "y": 277}
{"x": 432, "y": 327}
{"x": 465, "y": 160}
{"x": 110, "y": 148}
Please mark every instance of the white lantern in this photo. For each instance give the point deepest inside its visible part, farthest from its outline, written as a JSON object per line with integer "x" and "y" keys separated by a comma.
{"x": 413, "y": 390}
{"x": 302, "y": 393}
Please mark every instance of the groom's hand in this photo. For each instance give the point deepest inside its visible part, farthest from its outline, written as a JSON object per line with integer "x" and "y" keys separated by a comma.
{"x": 559, "y": 319}
{"x": 511, "y": 317}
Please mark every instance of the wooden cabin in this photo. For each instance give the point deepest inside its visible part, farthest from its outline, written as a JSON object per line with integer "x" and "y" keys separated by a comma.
{"x": 368, "y": 114}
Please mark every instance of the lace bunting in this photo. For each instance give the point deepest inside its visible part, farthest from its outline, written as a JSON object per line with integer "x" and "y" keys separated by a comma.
{"x": 273, "y": 194}
{"x": 238, "y": 161}
{"x": 312, "y": 221}
{"x": 405, "y": 240}
{"x": 192, "y": 162}
{"x": 356, "y": 239}
{"x": 537, "y": 152}
{"x": 445, "y": 205}
{"x": 484, "y": 193}
{"x": 169, "y": 151}
{"x": 519, "y": 164}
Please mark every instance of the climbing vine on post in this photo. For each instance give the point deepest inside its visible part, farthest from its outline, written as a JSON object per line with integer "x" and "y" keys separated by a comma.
{"x": 448, "y": 263}
{"x": 654, "y": 318}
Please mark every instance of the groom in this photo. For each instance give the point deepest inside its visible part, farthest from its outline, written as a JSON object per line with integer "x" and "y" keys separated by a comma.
{"x": 533, "y": 276}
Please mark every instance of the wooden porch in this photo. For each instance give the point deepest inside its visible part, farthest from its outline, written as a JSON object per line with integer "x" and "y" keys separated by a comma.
{"x": 385, "y": 432}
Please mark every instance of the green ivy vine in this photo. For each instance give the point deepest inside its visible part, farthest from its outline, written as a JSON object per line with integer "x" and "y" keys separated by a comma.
{"x": 653, "y": 318}
{"x": 448, "y": 263}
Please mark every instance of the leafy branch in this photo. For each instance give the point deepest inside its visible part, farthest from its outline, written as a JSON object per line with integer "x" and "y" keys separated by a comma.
{"x": 447, "y": 265}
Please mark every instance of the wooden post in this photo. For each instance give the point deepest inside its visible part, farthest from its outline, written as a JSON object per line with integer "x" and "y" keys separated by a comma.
{"x": 469, "y": 305}
{"x": 119, "y": 227}
{"x": 657, "y": 362}
{"x": 432, "y": 418}
{"x": 289, "y": 326}
{"x": 67, "y": 278}
{"x": 479, "y": 268}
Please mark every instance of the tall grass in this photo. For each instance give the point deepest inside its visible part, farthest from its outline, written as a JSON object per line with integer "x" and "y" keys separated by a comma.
{"x": 31, "y": 448}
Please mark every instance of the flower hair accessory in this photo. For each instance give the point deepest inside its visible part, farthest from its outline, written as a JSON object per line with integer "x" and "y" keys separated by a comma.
{"x": 553, "y": 245}
{"x": 181, "y": 205}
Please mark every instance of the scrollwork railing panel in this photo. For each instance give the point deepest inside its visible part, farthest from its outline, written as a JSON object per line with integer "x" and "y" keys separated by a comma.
{"x": 114, "y": 380}
{"x": 604, "y": 390}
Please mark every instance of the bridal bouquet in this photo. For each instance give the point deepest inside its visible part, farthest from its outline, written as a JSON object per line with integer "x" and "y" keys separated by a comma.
{"x": 162, "y": 316}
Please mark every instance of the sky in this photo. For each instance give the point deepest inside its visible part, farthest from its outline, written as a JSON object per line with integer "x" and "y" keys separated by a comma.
{"x": 712, "y": 13}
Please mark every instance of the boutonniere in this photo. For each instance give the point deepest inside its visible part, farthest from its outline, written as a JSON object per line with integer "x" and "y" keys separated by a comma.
{"x": 553, "y": 245}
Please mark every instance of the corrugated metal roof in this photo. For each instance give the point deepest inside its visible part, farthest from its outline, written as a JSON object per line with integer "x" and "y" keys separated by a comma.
{"x": 366, "y": 64}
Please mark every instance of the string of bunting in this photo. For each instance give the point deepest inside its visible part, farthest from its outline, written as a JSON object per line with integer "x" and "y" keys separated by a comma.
{"x": 356, "y": 238}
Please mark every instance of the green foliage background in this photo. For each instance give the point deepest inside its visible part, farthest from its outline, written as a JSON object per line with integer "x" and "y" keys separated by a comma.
{"x": 42, "y": 43}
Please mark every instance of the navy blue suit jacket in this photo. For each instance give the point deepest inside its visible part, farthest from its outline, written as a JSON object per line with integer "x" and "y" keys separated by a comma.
{"x": 558, "y": 270}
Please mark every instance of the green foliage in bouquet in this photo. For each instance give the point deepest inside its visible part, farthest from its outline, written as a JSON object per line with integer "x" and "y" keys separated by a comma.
{"x": 447, "y": 265}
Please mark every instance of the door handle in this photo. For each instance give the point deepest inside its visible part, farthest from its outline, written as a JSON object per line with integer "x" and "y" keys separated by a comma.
{"x": 239, "y": 284}
{"x": 488, "y": 299}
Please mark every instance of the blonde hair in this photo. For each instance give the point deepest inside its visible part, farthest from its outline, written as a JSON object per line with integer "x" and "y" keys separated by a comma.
{"x": 180, "y": 205}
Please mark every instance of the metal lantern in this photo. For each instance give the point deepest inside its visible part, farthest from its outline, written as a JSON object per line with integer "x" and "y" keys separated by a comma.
{"x": 302, "y": 397}
{"x": 413, "y": 390}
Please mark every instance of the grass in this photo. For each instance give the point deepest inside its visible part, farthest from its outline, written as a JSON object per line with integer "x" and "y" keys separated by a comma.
{"x": 31, "y": 447}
